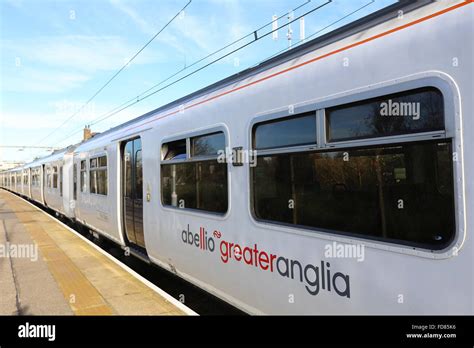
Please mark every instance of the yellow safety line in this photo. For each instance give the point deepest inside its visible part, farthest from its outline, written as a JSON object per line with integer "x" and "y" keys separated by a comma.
{"x": 80, "y": 294}
{"x": 104, "y": 287}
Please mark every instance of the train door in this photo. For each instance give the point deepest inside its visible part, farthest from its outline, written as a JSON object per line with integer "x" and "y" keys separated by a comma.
{"x": 132, "y": 191}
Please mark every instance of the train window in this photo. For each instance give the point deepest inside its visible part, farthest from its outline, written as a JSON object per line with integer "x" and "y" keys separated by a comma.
{"x": 286, "y": 132}
{"x": 38, "y": 177}
{"x": 34, "y": 177}
{"x": 102, "y": 161}
{"x": 415, "y": 111}
{"x": 138, "y": 175}
{"x": 174, "y": 150}
{"x": 98, "y": 175}
{"x": 400, "y": 193}
{"x": 93, "y": 163}
{"x": 74, "y": 184}
{"x": 61, "y": 181}
{"x": 83, "y": 176}
{"x": 48, "y": 177}
{"x": 199, "y": 182}
{"x": 207, "y": 145}
{"x": 55, "y": 177}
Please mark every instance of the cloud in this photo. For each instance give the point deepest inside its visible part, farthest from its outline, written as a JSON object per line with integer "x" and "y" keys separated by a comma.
{"x": 60, "y": 63}
{"x": 134, "y": 16}
{"x": 191, "y": 34}
{"x": 78, "y": 52}
{"x": 24, "y": 120}
{"x": 41, "y": 80}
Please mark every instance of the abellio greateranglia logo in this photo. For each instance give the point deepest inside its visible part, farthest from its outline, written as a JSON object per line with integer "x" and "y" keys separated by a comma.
{"x": 199, "y": 240}
{"x": 314, "y": 278}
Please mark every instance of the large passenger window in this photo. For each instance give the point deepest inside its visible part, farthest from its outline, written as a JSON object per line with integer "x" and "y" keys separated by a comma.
{"x": 98, "y": 175}
{"x": 195, "y": 180}
{"x": 397, "y": 192}
{"x": 415, "y": 111}
{"x": 402, "y": 192}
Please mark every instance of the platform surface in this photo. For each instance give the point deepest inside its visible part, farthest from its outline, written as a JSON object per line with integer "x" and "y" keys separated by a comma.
{"x": 46, "y": 269}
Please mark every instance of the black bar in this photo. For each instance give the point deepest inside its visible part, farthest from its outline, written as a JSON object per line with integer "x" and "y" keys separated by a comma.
{"x": 260, "y": 330}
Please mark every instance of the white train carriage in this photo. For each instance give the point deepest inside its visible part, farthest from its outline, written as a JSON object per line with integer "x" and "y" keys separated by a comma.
{"x": 36, "y": 184}
{"x": 95, "y": 193}
{"x": 57, "y": 184}
{"x": 328, "y": 180}
{"x": 26, "y": 191}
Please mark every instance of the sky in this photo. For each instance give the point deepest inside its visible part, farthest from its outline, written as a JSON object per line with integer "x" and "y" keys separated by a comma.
{"x": 56, "y": 54}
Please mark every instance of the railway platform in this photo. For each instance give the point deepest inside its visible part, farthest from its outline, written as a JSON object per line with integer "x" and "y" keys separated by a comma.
{"x": 47, "y": 268}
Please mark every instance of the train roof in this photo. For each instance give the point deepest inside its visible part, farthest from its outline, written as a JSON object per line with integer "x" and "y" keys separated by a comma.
{"x": 56, "y": 155}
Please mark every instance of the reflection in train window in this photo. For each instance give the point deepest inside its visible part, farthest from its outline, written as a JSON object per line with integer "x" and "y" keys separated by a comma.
{"x": 207, "y": 145}
{"x": 414, "y": 111}
{"x": 55, "y": 176}
{"x": 61, "y": 181}
{"x": 138, "y": 174}
{"x": 174, "y": 150}
{"x": 98, "y": 175}
{"x": 299, "y": 130}
{"x": 402, "y": 192}
{"x": 196, "y": 183}
{"x": 83, "y": 176}
{"x": 35, "y": 177}
{"x": 74, "y": 183}
{"x": 47, "y": 178}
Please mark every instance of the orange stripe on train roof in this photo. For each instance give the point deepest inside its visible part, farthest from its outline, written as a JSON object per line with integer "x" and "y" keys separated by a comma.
{"x": 385, "y": 33}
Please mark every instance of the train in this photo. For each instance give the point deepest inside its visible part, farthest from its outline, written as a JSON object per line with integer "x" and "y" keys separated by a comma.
{"x": 332, "y": 179}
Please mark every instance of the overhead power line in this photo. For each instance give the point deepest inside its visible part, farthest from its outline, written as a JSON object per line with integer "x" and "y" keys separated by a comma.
{"x": 142, "y": 96}
{"x": 199, "y": 61}
{"x": 256, "y": 38}
{"x": 116, "y": 74}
